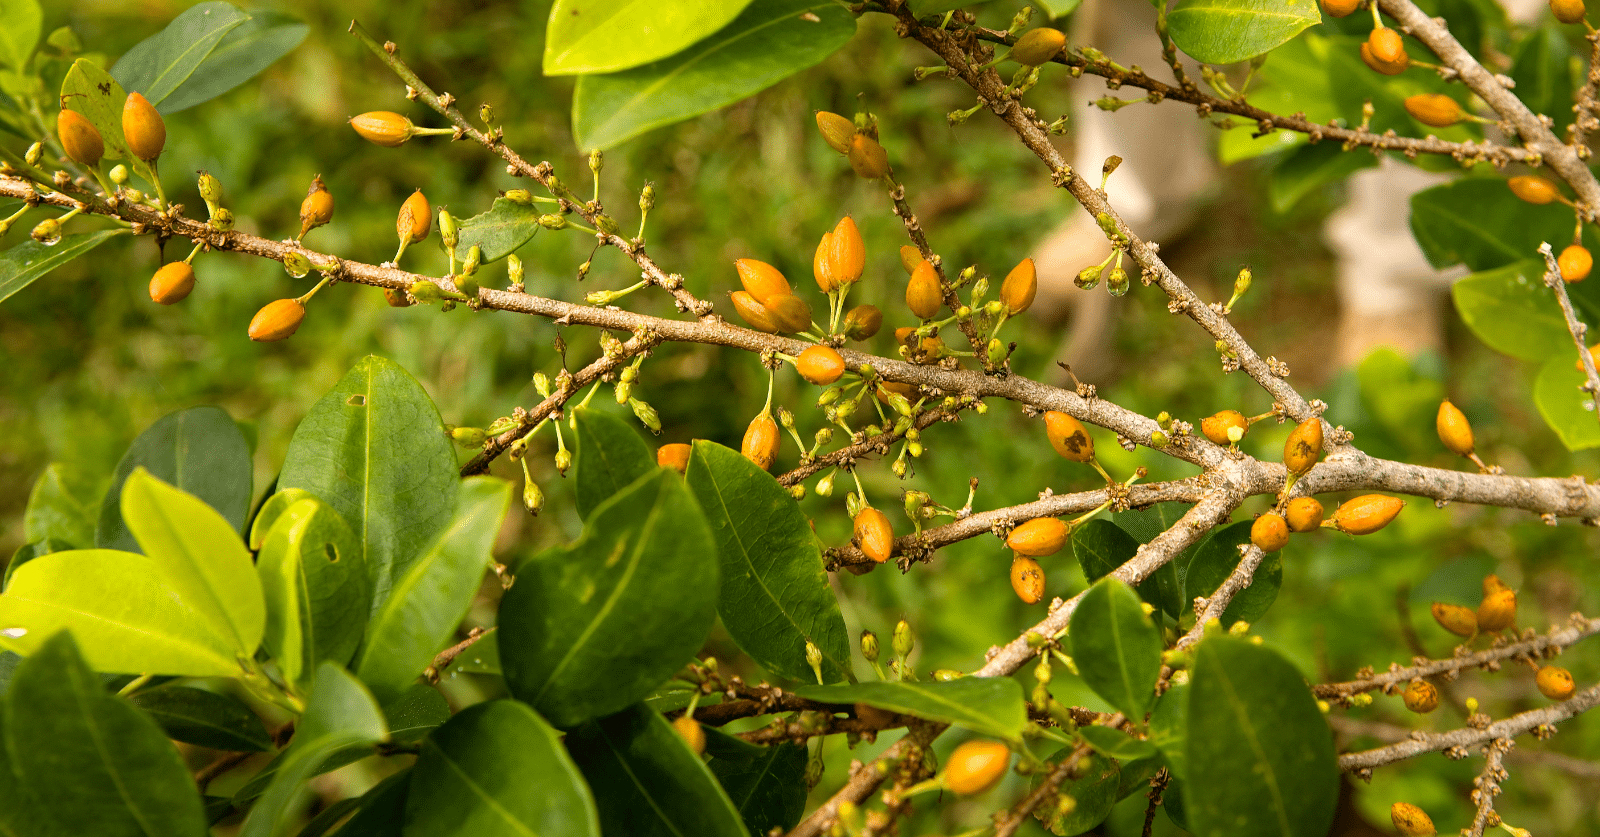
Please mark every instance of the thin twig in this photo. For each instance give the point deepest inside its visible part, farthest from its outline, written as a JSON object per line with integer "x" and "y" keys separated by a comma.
{"x": 1487, "y": 786}
{"x": 1575, "y": 327}
{"x": 1456, "y": 743}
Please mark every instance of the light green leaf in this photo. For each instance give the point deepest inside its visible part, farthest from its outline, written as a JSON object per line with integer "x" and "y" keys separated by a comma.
{"x": 770, "y": 41}
{"x": 271, "y": 508}
{"x": 1568, "y": 411}
{"x": 25, "y": 262}
{"x": 92, "y": 91}
{"x": 21, "y": 22}
{"x": 985, "y": 705}
{"x": 1116, "y": 743}
{"x": 201, "y": 451}
{"x": 161, "y": 63}
{"x": 242, "y": 53}
{"x": 1226, "y": 31}
{"x": 499, "y": 232}
{"x": 63, "y": 506}
{"x": 207, "y": 719}
{"x": 1116, "y": 648}
{"x": 316, "y": 587}
{"x": 1480, "y": 223}
{"x": 1511, "y": 310}
{"x": 1168, "y": 729}
{"x": 1215, "y": 562}
{"x": 602, "y": 36}
{"x": 610, "y": 457}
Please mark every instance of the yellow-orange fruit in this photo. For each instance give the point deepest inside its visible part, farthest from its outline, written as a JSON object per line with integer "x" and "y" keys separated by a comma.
{"x": 761, "y": 280}
{"x": 1454, "y": 429}
{"x": 1303, "y": 446}
{"x": 1020, "y": 286}
{"x": 1492, "y": 585}
{"x": 1270, "y": 532}
{"x": 1386, "y": 45}
{"x": 1567, "y": 11}
{"x": 1068, "y": 437}
{"x": 836, "y": 130}
{"x": 415, "y": 219}
{"x": 1410, "y": 820}
{"x": 1039, "y": 537}
{"x": 1303, "y": 514}
{"x": 80, "y": 138}
{"x": 1038, "y": 46}
{"x": 862, "y": 322}
{"x": 874, "y": 534}
{"x": 1594, "y": 354}
{"x": 276, "y": 320}
{"x": 867, "y": 157}
{"x": 820, "y": 268}
{"x": 143, "y": 128}
{"x": 385, "y": 128}
{"x": 172, "y": 283}
{"x": 922, "y": 292}
{"x": 1366, "y": 514}
{"x": 761, "y": 441}
{"x": 1435, "y": 109}
{"x": 841, "y": 257}
{"x": 1216, "y": 427}
{"x": 1388, "y": 68}
{"x": 1421, "y": 697}
{"x": 1027, "y": 579}
{"x": 931, "y": 345}
{"x": 1533, "y": 189}
{"x": 906, "y": 391}
{"x": 1461, "y": 621}
{"x": 753, "y": 312}
{"x": 397, "y": 298}
{"x": 976, "y": 766}
{"x": 689, "y": 730}
{"x": 791, "y": 313}
{"x": 820, "y": 365}
{"x": 674, "y": 456}
{"x": 1575, "y": 262}
{"x": 1555, "y": 683}
{"x": 910, "y": 257}
{"x": 1339, "y": 8}
{"x": 317, "y": 208}
{"x": 1498, "y": 611}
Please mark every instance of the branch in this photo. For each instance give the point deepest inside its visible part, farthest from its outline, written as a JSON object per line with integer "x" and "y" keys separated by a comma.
{"x": 1006, "y": 824}
{"x": 1487, "y": 786}
{"x": 1575, "y": 327}
{"x": 1212, "y": 607}
{"x": 1456, "y": 742}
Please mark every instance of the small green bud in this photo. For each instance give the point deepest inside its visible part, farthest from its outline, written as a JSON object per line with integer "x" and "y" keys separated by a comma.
{"x": 563, "y": 461}
{"x": 1035, "y": 639}
{"x": 1117, "y": 282}
{"x": 1159, "y": 440}
{"x": 1088, "y": 277}
{"x": 469, "y": 437}
{"x": 1164, "y": 419}
{"x": 47, "y": 232}
{"x": 914, "y": 501}
{"x": 899, "y": 469}
{"x": 996, "y": 348}
{"x": 34, "y": 154}
{"x": 647, "y": 197}
{"x": 980, "y": 289}
{"x": 1107, "y": 224}
{"x": 852, "y": 504}
{"x": 813, "y": 654}
{"x": 473, "y": 262}
{"x": 553, "y": 222}
{"x": 210, "y": 188}
{"x": 532, "y": 496}
{"x": 1241, "y": 283}
{"x": 624, "y": 391}
{"x": 522, "y": 197}
{"x": 825, "y": 485}
{"x": 222, "y": 219}
{"x": 119, "y": 174}
{"x": 798, "y": 491}
{"x": 823, "y": 436}
{"x": 426, "y": 292}
{"x": 786, "y": 418}
{"x": 514, "y": 270}
{"x": 486, "y": 113}
{"x": 993, "y": 307}
{"x": 519, "y": 448}
{"x": 828, "y": 396}
{"x": 449, "y": 230}
{"x": 541, "y": 384}
{"x": 596, "y": 161}
{"x": 1041, "y": 672}
{"x": 501, "y": 425}
{"x": 646, "y": 414}
{"x": 133, "y": 195}
{"x": 945, "y": 675}
{"x": 468, "y": 285}
{"x": 869, "y": 646}
{"x": 606, "y": 224}
{"x": 903, "y": 640}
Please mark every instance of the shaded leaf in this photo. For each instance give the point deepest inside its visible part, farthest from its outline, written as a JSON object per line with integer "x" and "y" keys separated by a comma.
{"x": 316, "y": 587}
{"x": 1100, "y": 547}
{"x": 1541, "y": 66}
{"x": 63, "y": 506}
{"x": 1168, "y": 727}
{"x": 1478, "y": 222}
{"x": 208, "y": 719}
{"x": 768, "y": 789}
{"x": 499, "y": 232}
{"x": 1095, "y": 792}
{"x": 199, "y": 450}
{"x": 415, "y": 712}
{"x": 159, "y": 64}
{"x": 1116, "y": 648}
{"x": 610, "y": 457}
{"x": 1215, "y": 562}
{"x": 985, "y": 705}
{"x": 381, "y": 811}
{"x": 1116, "y": 743}
{"x": 1226, "y": 31}
{"x": 23, "y": 263}
{"x": 602, "y": 36}
{"x": 246, "y": 50}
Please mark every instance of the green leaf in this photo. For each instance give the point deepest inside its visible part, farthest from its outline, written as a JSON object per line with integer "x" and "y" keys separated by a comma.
{"x": 1512, "y": 311}
{"x": 382, "y": 810}
{"x": 271, "y": 508}
{"x": 495, "y": 769}
{"x": 415, "y": 712}
{"x": 1568, "y": 411}
{"x": 986, "y": 705}
{"x": 1267, "y": 754}
{"x": 647, "y": 782}
{"x": 99, "y": 765}
{"x": 248, "y": 49}
{"x": 199, "y": 450}
{"x": 1095, "y": 792}
{"x": 327, "y": 818}
{"x": 770, "y": 41}
{"x": 23, "y": 263}
{"x": 1164, "y": 587}
{"x": 1401, "y": 398}
{"x": 775, "y": 592}
{"x": 1100, "y": 547}
{"x": 340, "y": 715}
{"x": 1052, "y": 8}
{"x": 1541, "y": 66}
{"x": 590, "y": 628}
{"x": 429, "y": 601}
{"x": 92, "y": 91}
{"x": 344, "y": 453}
{"x": 610, "y": 457}
{"x": 602, "y": 36}
{"x": 159, "y": 64}
{"x": 1226, "y": 31}
{"x": 29, "y": 551}
{"x": 21, "y": 22}
{"x": 204, "y": 718}
{"x": 1168, "y": 729}
{"x": 499, "y": 232}
{"x": 1215, "y": 562}
{"x": 1116, "y": 743}
{"x": 63, "y": 506}
{"x": 316, "y": 587}
{"x": 768, "y": 789}
{"x": 482, "y": 658}
{"x": 1117, "y": 649}
{"x": 1480, "y": 223}
{"x": 1310, "y": 167}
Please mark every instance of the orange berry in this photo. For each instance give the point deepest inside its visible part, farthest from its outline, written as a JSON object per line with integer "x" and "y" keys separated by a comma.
{"x": 1461, "y": 621}
{"x": 862, "y": 322}
{"x": 1365, "y": 514}
{"x": 820, "y": 267}
{"x": 1386, "y": 45}
{"x": 1410, "y": 820}
{"x": 874, "y": 534}
{"x": 690, "y": 731}
{"x": 1339, "y": 8}
{"x": 1038, "y": 46}
{"x": 143, "y": 128}
{"x": 976, "y": 766}
{"x": 867, "y": 157}
{"x": 820, "y": 365}
{"x": 80, "y": 138}
{"x": 317, "y": 208}
{"x": 837, "y": 130}
{"x": 415, "y": 219}
{"x": 1575, "y": 262}
{"x": 1027, "y": 579}
{"x": 906, "y": 391}
{"x": 1269, "y": 532}
{"x": 1498, "y": 611}
{"x": 1594, "y": 355}
{"x": 930, "y": 347}
{"x": 761, "y": 441}
{"x": 1492, "y": 585}
{"x": 1533, "y": 189}
{"x": 1020, "y": 286}
{"x": 397, "y": 298}
{"x": 674, "y": 456}
{"x": 1454, "y": 429}
{"x": 276, "y": 320}
{"x": 1303, "y": 514}
{"x": 172, "y": 283}
{"x": 1568, "y": 11}
{"x": 1219, "y": 428}
{"x": 1068, "y": 437}
{"x": 761, "y": 280}
{"x": 1303, "y": 446}
{"x": 847, "y": 258}
{"x": 753, "y": 312}
{"x": 790, "y": 312}
{"x": 1434, "y": 109}
{"x": 922, "y": 292}
{"x": 1421, "y": 697}
{"x": 910, "y": 257}
{"x": 1039, "y": 537}
{"x": 1555, "y": 683}
{"x": 1387, "y": 68}
{"x": 385, "y": 128}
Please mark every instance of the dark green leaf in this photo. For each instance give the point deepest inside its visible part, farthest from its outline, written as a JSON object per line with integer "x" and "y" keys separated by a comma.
{"x": 770, "y": 41}
{"x": 1215, "y": 562}
{"x": 64, "y": 505}
{"x": 602, "y": 36}
{"x": 769, "y": 789}
{"x": 415, "y": 711}
{"x": 1100, "y": 547}
{"x": 1568, "y": 410}
{"x": 610, "y": 457}
{"x": 1116, "y": 648}
{"x": 1542, "y": 68}
{"x": 775, "y": 592}
{"x": 590, "y": 628}
{"x": 344, "y": 453}
{"x": 1309, "y": 167}
{"x": 499, "y": 232}
{"x": 482, "y": 658}
{"x": 1512, "y": 311}
{"x": 316, "y": 587}
{"x": 23, "y": 263}
{"x": 495, "y": 769}
{"x": 1226, "y": 31}
{"x": 92, "y": 91}
{"x": 1168, "y": 729}
{"x": 1116, "y": 743}
{"x": 199, "y": 450}
{"x": 242, "y": 53}
{"x": 383, "y": 809}
{"x": 157, "y": 65}
{"x": 647, "y": 782}
{"x": 327, "y": 817}
{"x": 985, "y": 705}
{"x": 209, "y": 719}
{"x": 1480, "y": 223}
{"x": 1095, "y": 792}
{"x": 21, "y": 22}
{"x": 1266, "y": 752}
{"x": 1164, "y": 587}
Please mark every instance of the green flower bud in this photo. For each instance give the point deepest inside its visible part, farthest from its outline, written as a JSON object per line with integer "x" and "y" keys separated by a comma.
{"x": 522, "y": 197}
{"x": 1117, "y": 283}
{"x": 1241, "y": 283}
{"x": 596, "y": 161}
{"x": 468, "y": 285}
{"x": 903, "y": 640}
{"x": 210, "y": 188}
{"x": 1035, "y": 640}
{"x": 519, "y": 448}
{"x": 553, "y": 222}
{"x": 824, "y": 436}
{"x": 133, "y": 195}
{"x": 541, "y": 384}
{"x": 532, "y": 496}
{"x": 624, "y": 391}
{"x": 1088, "y": 278}
{"x": 119, "y": 174}
{"x": 1159, "y": 440}
{"x": 34, "y": 154}
{"x": 852, "y": 504}
{"x": 945, "y": 675}
{"x": 980, "y": 289}
{"x": 646, "y": 414}
{"x": 786, "y": 418}
{"x": 606, "y": 224}
{"x": 563, "y": 461}
{"x": 501, "y": 425}
{"x": 222, "y": 219}
{"x": 798, "y": 491}
{"x": 449, "y": 230}
{"x": 296, "y": 264}
{"x": 47, "y": 232}
{"x": 486, "y": 113}
{"x": 469, "y": 437}
{"x": 647, "y": 197}
{"x": 825, "y": 485}
{"x": 514, "y": 270}
{"x": 869, "y": 646}
{"x": 473, "y": 262}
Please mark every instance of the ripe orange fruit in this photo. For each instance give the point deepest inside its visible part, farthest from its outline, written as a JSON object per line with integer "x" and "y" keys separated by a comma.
{"x": 1435, "y": 109}
{"x": 1567, "y": 11}
{"x": 820, "y": 365}
{"x": 1020, "y": 286}
{"x": 674, "y": 456}
{"x": 845, "y": 258}
{"x": 1216, "y": 427}
{"x": 1575, "y": 262}
{"x": 910, "y": 257}
{"x": 1594, "y": 354}
{"x": 837, "y": 130}
{"x": 1421, "y": 697}
{"x": 317, "y": 208}
{"x": 383, "y": 127}
{"x": 172, "y": 283}
{"x": 1303, "y": 446}
{"x": 1366, "y": 514}
{"x": 1492, "y": 585}
{"x": 867, "y": 157}
{"x": 761, "y": 441}
{"x": 862, "y": 322}
{"x": 1270, "y": 533}
{"x": 1387, "y": 68}
{"x": 1461, "y": 621}
{"x": 1386, "y": 45}
{"x": 690, "y": 731}
{"x": 415, "y": 219}
{"x": 276, "y": 320}
{"x": 761, "y": 280}
{"x": 80, "y": 138}
{"x": 874, "y": 534}
{"x": 790, "y": 312}
{"x": 976, "y": 766}
{"x": 143, "y": 128}
{"x": 1498, "y": 611}
{"x": 1339, "y": 8}
{"x": 1454, "y": 429}
{"x": 1555, "y": 683}
{"x": 1303, "y": 514}
{"x": 922, "y": 292}
{"x": 1068, "y": 437}
{"x": 1533, "y": 189}
{"x": 1410, "y": 820}
{"x": 1027, "y": 579}
{"x": 1039, "y": 537}
{"x": 1038, "y": 46}
{"x": 753, "y": 312}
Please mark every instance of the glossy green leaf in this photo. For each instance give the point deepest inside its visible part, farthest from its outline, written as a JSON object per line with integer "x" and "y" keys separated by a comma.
{"x": 99, "y": 765}
{"x": 1541, "y": 66}
{"x": 316, "y": 586}
{"x": 271, "y": 508}
{"x": 775, "y": 592}
{"x": 1052, "y": 8}
{"x": 1512, "y": 311}
{"x": 1116, "y": 743}
{"x": 610, "y": 457}
{"x": 496, "y": 769}
{"x": 1568, "y": 410}
{"x": 431, "y": 598}
{"x": 590, "y": 628}
{"x": 1095, "y": 792}
{"x": 1169, "y": 728}
{"x": 1226, "y": 31}
{"x": 328, "y": 817}
{"x": 344, "y": 453}
{"x": 204, "y": 718}
{"x": 382, "y": 810}
{"x": 21, "y": 22}
{"x": 415, "y": 712}
{"x": 199, "y": 450}
{"x": 1117, "y": 649}
{"x": 647, "y": 782}
{"x": 92, "y": 91}
{"x": 27, "y": 261}
{"x": 770, "y": 41}
{"x": 1164, "y": 587}
{"x": 246, "y": 50}
{"x": 159, "y": 64}
{"x": 1310, "y": 167}
{"x": 340, "y": 715}
{"x": 499, "y": 232}
{"x": 603, "y": 36}
{"x": 986, "y": 705}
{"x": 1479, "y": 223}
{"x": 63, "y": 506}
{"x": 768, "y": 787}
{"x": 1100, "y": 547}
{"x": 1215, "y": 562}
{"x": 1265, "y": 764}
